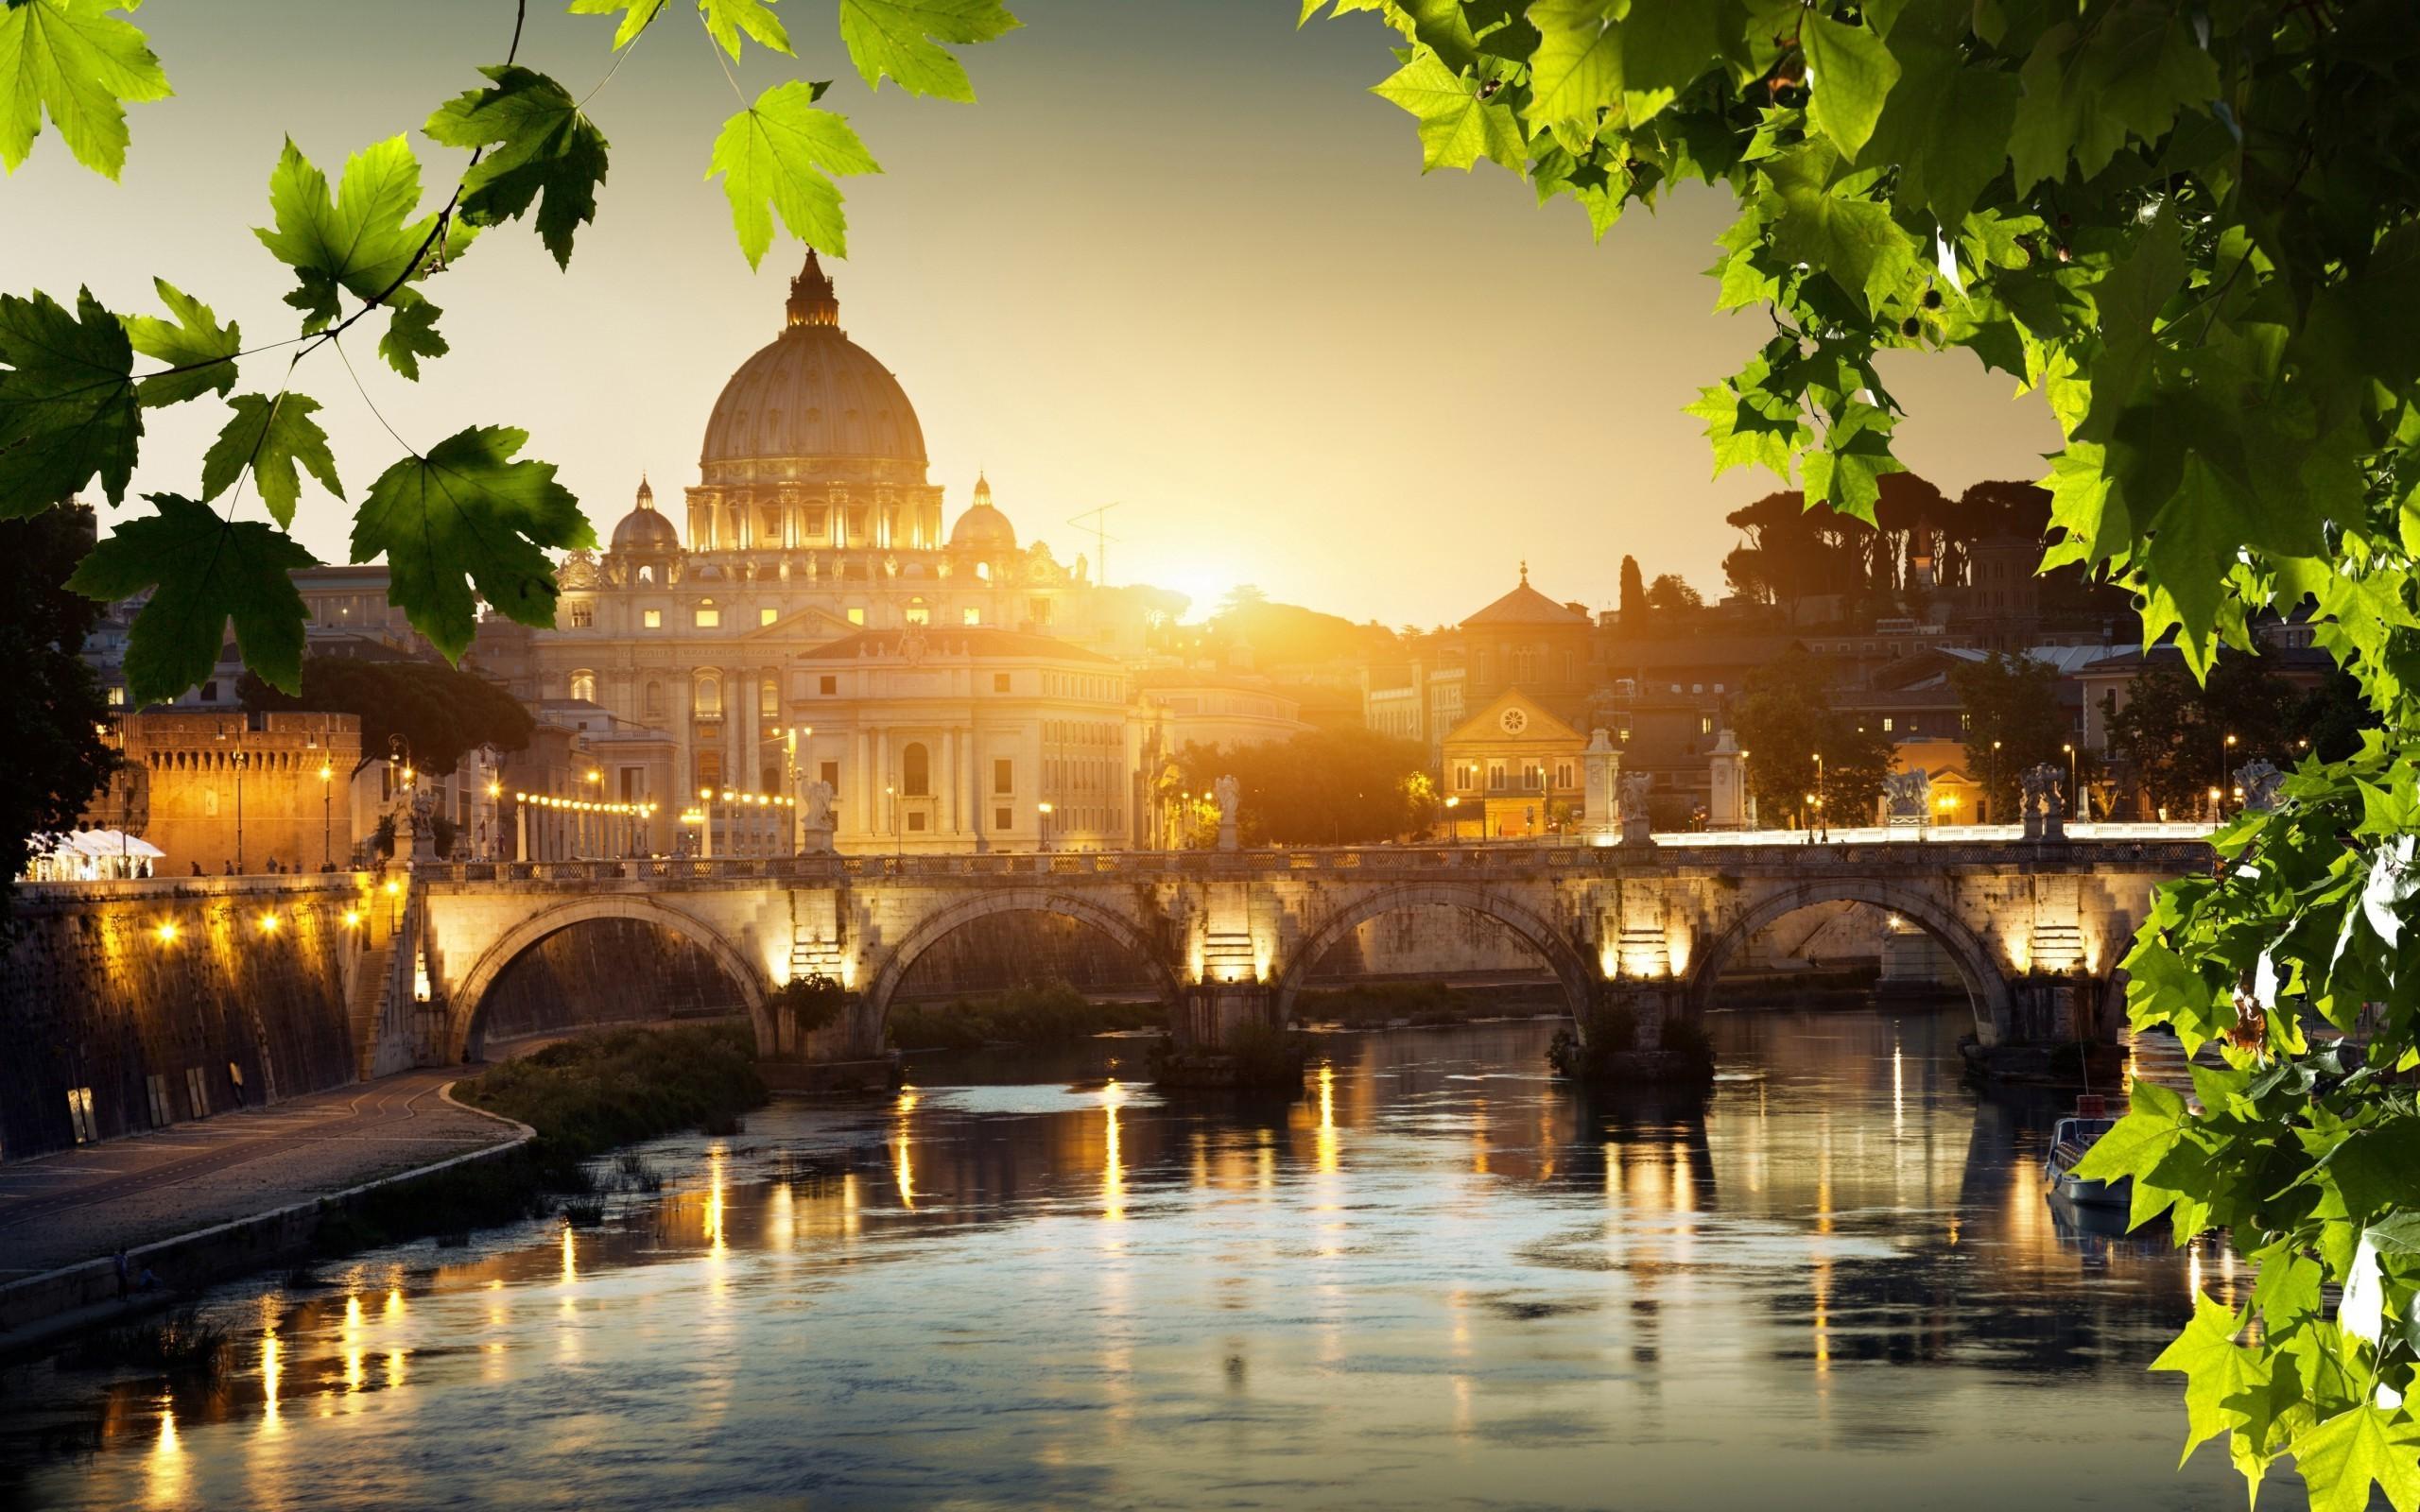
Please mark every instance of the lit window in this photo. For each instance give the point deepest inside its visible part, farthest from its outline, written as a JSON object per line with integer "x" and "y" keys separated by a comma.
{"x": 1705, "y": 724}
{"x": 768, "y": 699}
{"x": 709, "y": 697}
{"x": 918, "y": 612}
{"x": 974, "y": 615}
{"x": 1886, "y": 724}
{"x": 117, "y": 698}
{"x": 651, "y": 618}
{"x": 767, "y": 616}
{"x": 583, "y": 686}
{"x": 856, "y": 615}
{"x": 584, "y": 616}
{"x": 707, "y": 616}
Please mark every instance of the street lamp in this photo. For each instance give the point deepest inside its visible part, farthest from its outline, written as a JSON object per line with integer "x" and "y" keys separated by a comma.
{"x": 1820, "y": 817}
{"x": 2226, "y": 751}
{"x": 1043, "y": 809}
{"x": 2074, "y": 794}
{"x": 327, "y": 844}
{"x": 240, "y": 760}
{"x": 1454, "y": 820}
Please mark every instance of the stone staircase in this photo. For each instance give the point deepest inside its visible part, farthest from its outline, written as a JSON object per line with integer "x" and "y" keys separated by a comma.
{"x": 1227, "y": 956}
{"x": 815, "y": 957}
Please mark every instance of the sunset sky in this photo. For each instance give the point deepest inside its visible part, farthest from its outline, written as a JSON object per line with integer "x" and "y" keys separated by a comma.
{"x": 1177, "y": 258}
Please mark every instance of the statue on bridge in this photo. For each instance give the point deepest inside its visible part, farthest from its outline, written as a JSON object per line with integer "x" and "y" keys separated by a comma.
{"x": 815, "y": 811}
{"x": 2259, "y": 779}
{"x": 2046, "y": 805}
{"x": 1910, "y": 795}
{"x": 1230, "y": 803}
{"x": 1637, "y": 828}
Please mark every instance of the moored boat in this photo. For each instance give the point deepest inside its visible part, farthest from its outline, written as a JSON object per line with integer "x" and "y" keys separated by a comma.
{"x": 2074, "y": 1136}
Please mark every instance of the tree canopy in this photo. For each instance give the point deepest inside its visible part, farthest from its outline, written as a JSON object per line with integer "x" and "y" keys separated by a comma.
{"x": 54, "y": 759}
{"x": 1321, "y": 787}
{"x": 442, "y": 712}
{"x": 1784, "y": 721}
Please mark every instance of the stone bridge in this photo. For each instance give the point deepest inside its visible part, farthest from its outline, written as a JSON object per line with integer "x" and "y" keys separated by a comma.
{"x": 2035, "y": 929}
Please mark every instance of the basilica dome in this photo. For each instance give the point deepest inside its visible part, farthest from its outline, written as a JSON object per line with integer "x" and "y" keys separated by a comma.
{"x": 809, "y": 395}
{"x": 983, "y": 527}
{"x": 643, "y": 529}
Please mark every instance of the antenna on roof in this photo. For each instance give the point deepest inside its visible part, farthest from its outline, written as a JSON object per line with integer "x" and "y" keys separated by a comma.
{"x": 1102, "y": 540}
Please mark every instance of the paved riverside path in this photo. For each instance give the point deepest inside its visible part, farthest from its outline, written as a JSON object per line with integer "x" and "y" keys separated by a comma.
{"x": 86, "y": 1203}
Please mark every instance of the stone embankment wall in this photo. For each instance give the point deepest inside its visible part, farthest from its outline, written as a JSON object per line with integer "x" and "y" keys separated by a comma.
{"x": 112, "y": 1023}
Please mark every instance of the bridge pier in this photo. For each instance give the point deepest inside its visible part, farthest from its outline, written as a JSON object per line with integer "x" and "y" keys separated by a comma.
{"x": 1634, "y": 1036}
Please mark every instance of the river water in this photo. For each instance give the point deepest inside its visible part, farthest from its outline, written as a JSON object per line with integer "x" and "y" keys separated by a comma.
{"x": 1438, "y": 1279}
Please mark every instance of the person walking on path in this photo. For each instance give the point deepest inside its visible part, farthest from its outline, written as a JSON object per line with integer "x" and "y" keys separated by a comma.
{"x": 121, "y": 1273}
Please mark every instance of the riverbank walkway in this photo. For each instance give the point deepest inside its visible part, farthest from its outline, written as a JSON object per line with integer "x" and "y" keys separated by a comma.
{"x": 88, "y": 1203}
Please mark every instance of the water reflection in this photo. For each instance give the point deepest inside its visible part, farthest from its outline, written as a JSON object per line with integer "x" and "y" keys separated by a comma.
{"x": 1064, "y": 1288}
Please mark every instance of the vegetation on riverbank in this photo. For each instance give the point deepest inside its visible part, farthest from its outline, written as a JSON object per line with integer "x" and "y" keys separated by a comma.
{"x": 1376, "y": 1004}
{"x": 180, "y": 1347}
{"x": 583, "y": 1096}
{"x": 1046, "y": 1014}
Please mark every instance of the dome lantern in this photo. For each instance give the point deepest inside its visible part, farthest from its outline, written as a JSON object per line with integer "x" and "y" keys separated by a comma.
{"x": 813, "y": 300}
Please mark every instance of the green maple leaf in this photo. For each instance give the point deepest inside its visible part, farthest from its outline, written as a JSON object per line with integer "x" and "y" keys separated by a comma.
{"x": 2215, "y": 1368}
{"x": 467, "y": 515}
{"x": 1667, "y": 44}
{"x": 900, "y": 38}
{"x": 1946, "y": 125}
{"x": 1846, "y": 471}
{"x": 1456, "y": 126}
{"x": 68, "y": 408}
{"x": 412, "y": 335}
{"x": 204, "y": 573}
{"x": 73, "y": 60}
{"x": 1577, "y": 69}
{"x": 727, "y": 19}
{"x": 537, "y": 141}
{"x": 2086, "y": 96}
{"x": 2339, "y": 1456}
{"x": 361, "y": 240}
{"x": 1849, "y": 75}
{"x": 2141, "y": 1140}
{"x": 636, "y": 15}
{"x": 785, "y": 151}
{"x": 1749, "y": 425}
{"x": 194, "y": 340}
{"x": 270, "y": 435}
{"x": 1825, "y": 224}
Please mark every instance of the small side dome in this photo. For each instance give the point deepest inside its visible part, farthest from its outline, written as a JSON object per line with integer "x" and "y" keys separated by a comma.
{"x": 643, "y": 529}
{"x": 982, "y": 527}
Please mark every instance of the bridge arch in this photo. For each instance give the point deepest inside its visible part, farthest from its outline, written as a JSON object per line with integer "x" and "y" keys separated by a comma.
{"x": 1987, "y": 988}
{"x": 929, "y": 931}
{"x": 464, "y": 1028}
{"x": 1540, "y": 933}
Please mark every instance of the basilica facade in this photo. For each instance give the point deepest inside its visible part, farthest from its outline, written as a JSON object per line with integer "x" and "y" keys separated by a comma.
{"x": 814, "y": 621}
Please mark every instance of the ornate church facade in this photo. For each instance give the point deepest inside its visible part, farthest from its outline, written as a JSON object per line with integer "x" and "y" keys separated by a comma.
{"x": 956, "y": 689}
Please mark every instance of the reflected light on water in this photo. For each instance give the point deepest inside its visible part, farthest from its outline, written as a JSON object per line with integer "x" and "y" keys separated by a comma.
{"x": 571, "y": 1256}
{"x": 270, "y": 1374}
{"x": 1113, "y": 1169}
{"x": 903, "y": 1162}
{"x": 167, "y": 1471}
{"x": 1327, "y": 1143}
{"x": 714, "y": 1241}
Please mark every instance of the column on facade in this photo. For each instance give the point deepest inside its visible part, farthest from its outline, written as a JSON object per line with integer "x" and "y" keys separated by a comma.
{"x": 887, "y": 804}
{"x": 947, "y": 792}
{"x": 861, "y": 782}
{"x": 743, "y": 722}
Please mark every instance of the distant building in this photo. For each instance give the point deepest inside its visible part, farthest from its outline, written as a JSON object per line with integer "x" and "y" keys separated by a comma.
{"x": 234, "y": 791}
{"x": 815, "y": 582}
{"x": 1514, "y": 770}
{"x": 1522, "y": 640}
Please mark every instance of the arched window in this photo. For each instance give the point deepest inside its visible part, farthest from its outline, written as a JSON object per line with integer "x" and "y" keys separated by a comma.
{"x": 915, "y": 771}
{"x": 769, "y": 698}
{"x": 583, "y": 685}
{"x": 709, "y": 697}
{"x": 651, "y": 704}
{"x": 918, "y": 612}
{"x": 708, "y": 616}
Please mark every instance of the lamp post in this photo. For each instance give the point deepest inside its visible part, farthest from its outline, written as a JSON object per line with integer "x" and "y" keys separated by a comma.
{"x": 705, "y": 824}
{"x": 2226, "y": 752}
{"x": 2074, "y": 795}
{"x": 1822, "y": 820}
{"x": 1044, "y": 808}
{"x": 240, "y": 760}
{"x": 1454, "y": 820}
{"x": 327, "y": 824}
